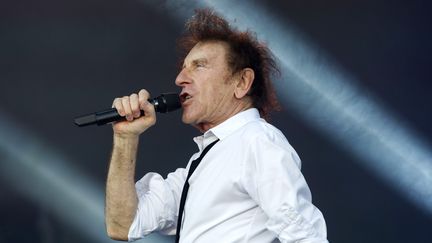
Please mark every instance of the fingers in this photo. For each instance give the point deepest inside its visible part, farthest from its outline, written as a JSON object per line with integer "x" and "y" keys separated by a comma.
{"x": 135, "y": 108}
{"x": 127, "y": 108}
{"x": 144, "y": 104}
{"x": 131, "y": 106}
{"x": 143, "y": 97}
{"x": 117, "y": 103}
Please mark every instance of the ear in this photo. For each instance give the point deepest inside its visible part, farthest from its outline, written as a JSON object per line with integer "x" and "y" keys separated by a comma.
{"x": 247, "y": 76}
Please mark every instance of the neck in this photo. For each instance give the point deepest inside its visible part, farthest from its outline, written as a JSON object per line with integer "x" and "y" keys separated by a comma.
{"x": 205, "y": 126}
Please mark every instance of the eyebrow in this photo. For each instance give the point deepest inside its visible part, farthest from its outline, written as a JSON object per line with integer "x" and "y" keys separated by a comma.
{"x": 197, "y": 61}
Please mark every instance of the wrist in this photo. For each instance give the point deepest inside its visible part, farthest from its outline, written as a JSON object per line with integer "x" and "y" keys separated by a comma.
{"x": 126, "y": 138}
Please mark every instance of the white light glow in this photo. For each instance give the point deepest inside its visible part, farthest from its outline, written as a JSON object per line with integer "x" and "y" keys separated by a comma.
{"x": 46, "y": 177}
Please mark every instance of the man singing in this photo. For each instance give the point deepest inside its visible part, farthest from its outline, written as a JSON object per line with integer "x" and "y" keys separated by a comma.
{"x": 244, "y": 184}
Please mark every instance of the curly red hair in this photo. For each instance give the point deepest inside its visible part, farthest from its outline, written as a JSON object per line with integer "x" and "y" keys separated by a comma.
{"x": 245, "y": 51}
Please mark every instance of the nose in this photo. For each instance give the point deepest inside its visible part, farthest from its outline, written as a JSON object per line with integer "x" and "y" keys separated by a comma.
{"x": 183, "y": 78}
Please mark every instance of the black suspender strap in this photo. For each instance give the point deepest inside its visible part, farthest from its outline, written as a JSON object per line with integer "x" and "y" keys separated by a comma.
{"x": 192, "y": 168}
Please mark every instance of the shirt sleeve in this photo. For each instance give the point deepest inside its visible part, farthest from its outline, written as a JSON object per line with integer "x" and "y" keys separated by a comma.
{"x": 158, "y": 201}
{"x": 272, "y": 177}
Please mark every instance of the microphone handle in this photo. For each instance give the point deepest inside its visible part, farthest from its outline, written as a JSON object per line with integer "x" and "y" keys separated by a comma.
{"x": 163, "y": 103}
{"x": 110, "y": 115}
{"x": 102, "y": 117}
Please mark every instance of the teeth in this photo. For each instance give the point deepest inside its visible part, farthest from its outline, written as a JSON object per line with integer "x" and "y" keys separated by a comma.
{"x": 188, "y": 97}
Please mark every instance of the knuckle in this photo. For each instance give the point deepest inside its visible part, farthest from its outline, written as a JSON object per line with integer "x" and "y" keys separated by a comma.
{"x": 118, "y": 105}
{"x": 125, "y": 99}
{"x": 144, "y": 93}
{"x": 115, "y": 102}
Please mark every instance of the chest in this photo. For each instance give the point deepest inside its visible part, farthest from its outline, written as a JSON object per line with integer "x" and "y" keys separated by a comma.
{"x": 217, "y": 185}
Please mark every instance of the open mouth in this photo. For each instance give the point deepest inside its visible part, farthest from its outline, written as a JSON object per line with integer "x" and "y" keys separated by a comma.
{"x": 184, "y": 97}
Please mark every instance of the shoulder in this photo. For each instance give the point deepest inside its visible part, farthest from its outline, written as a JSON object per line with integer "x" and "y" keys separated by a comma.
{"x": 260, "y": 130}
{"x": 262, "y": 139}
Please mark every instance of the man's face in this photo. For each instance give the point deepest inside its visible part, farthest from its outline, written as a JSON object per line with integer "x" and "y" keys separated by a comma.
{"x": 207, "y": 85}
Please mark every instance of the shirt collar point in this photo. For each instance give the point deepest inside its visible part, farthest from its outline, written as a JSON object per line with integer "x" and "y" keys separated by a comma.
{"x": 227, "y": 127}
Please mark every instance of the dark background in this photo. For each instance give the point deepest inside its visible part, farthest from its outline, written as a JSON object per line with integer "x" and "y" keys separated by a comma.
{"x": 60, "y": 59}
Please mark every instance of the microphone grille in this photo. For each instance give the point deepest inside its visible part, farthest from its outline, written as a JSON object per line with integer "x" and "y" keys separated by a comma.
{"x": 168, "y": 102}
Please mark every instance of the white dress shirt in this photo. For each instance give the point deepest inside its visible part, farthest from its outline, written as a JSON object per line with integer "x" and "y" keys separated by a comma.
{"x": 247, "y": 188}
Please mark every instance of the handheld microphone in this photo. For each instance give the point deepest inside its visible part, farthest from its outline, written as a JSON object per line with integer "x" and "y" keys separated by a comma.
{"x": 163, "y": 103}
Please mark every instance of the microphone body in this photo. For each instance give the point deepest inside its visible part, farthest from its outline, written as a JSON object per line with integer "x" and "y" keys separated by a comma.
{"x": 163, "y": 103}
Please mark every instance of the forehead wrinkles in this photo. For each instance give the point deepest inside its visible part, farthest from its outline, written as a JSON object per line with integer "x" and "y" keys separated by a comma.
{"x": 212, "y": 51}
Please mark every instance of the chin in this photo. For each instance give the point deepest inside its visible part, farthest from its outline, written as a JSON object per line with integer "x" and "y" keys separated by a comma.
{"x": 187, "y": 119}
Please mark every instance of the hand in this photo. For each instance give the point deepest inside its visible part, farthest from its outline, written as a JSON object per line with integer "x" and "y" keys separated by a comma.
{"x": 130, "y": 107}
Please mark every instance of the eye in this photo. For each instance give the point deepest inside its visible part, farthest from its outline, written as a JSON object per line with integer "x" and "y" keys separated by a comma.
{"x": 199, "y": 64}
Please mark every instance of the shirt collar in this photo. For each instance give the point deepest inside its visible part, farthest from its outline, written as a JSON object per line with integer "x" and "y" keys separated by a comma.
{"x": 227, "y": 127}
